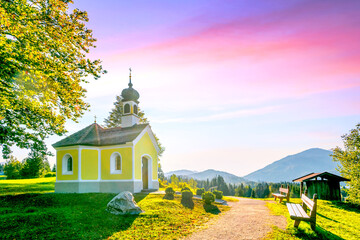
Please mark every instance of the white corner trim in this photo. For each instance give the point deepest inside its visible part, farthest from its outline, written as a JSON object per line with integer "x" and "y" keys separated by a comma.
{"x": 99, "y": 164}
{"x": 79, "y": 163}
{"x": 133, "y": 162}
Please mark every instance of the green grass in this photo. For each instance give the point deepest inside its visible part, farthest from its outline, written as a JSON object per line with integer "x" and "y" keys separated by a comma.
{"x": 334, "y": 220}
{"x": 2, "y": 177}
{"x": 21, "y": 186}
{"x": 83, "y": 216}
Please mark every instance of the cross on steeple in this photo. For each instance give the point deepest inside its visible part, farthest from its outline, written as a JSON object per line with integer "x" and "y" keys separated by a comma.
{"x": 130, "y": 84}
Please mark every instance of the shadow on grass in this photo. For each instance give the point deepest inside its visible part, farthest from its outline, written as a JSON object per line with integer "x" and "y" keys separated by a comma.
{"x": 345, "y": 206}
{"x": 61, "y": 216}
{"x": 330, "y": 219}
{"x": 210, "y": 208}
{"x": 319, "y": 233}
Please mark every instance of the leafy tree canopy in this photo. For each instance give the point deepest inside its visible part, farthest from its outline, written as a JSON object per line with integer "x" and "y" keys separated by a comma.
{"x": 349, "y": 159}
{"x": 43, "y": 61}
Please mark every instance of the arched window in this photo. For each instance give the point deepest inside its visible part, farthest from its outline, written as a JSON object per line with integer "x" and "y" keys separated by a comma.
{"x": 67, "y": 164}
{"x": 135, "y": 109}
{"x": 115, "y": 163}
{"x": 127, "y": 108}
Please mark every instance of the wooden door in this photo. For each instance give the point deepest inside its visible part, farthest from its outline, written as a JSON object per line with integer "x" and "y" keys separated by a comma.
{"x": 145, "y": 174}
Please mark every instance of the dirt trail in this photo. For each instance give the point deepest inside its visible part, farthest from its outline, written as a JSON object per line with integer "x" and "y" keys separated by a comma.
{"x": 247, "y": 219}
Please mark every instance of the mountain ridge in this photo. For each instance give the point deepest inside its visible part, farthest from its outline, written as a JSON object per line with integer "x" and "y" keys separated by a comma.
{"x": 284, "y": 169}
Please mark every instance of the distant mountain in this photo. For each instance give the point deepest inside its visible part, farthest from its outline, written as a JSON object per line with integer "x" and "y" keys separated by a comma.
{"x": 182, "y": 172}
{"x": 211, "y": 173}
{"x": 294, "y": 166}
{"x": 208, "y": 174}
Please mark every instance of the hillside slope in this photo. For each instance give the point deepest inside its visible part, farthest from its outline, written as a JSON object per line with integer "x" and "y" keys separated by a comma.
{"x": 297, "y": 165}
{"x": 208, "y": 174}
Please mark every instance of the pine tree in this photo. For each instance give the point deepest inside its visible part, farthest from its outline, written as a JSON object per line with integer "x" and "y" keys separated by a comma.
{"x": 114, "y": 119}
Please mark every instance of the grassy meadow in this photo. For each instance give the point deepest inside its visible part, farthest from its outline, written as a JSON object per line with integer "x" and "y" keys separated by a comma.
{"x": 29, "y": 210}
{"x": 22, "y": 186}
{"x": 334, "y": 220}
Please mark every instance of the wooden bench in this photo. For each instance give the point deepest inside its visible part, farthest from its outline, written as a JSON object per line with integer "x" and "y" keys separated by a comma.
{"x": 285, "y": 191}
{"x": 298, "y": 212}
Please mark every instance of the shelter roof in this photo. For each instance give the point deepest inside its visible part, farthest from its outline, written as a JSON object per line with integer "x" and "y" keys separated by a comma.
{"x": 326, "y": 175}
{"x": 95, "y": 135}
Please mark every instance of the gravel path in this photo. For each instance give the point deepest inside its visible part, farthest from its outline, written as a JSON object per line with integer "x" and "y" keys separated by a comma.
{"x": 247, "y": 219}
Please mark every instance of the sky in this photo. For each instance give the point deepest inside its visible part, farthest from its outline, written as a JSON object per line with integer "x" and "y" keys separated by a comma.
{"x": 229, "y": 85}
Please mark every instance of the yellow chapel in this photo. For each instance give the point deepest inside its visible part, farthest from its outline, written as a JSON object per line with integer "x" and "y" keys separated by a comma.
{"x": 97, "y": 159}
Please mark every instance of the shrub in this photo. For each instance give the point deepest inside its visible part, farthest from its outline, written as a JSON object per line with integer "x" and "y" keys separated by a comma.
{"x": 208, "y": 197}
{"x": 169, "y": 193}
{"x": 200, "y": 191}
{"x": 218, "y": 194}
{"x": 186, "y": 198}
{"x": 12, "y": 168}
{"x": 185, "y": 189}
{"x": 50, "y": 174}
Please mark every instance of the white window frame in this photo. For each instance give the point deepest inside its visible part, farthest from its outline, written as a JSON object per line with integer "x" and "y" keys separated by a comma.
{"x": 113, "y": 163}
{"x": 65, "y": 164}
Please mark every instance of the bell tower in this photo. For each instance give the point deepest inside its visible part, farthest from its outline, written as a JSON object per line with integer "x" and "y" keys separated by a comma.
{"x": 130, "y": 105}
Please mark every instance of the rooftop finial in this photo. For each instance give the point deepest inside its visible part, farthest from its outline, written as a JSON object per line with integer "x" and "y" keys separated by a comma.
{"x": 130, "y": 84}
{"x": 95, "y": 118}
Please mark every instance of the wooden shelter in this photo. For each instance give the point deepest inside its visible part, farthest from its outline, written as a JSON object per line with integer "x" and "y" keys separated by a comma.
{"x": 326, "y": 185}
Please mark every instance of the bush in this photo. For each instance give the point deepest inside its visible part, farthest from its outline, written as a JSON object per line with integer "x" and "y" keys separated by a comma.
{"x": 185, "y": 189}
{"x": 169, "y": 193}
{"x": 200, "y": 191}
{"x": 218, "y": 194}
{"x": 12, "y": 168}
{"x": 50, "y": 174}
{"x": 208, "y": 197}
{"x": 186, "y": 198}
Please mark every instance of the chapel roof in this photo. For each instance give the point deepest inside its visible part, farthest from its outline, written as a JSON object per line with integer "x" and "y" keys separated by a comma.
{"x": 326, "y": 175}
{"x": 95, "y": 135}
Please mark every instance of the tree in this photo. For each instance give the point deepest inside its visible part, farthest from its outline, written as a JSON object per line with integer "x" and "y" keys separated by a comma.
{"x": 192, "y": 183}
{"x": 349, "y": 160}
{"x": 12, "y": 168}
{"x": 253, "y": 195}
{"x": 174, "y": 180}
{"x": 114, "y": 119}
{"x": 161, "y": 174}
{"x": 43, "y": 62}
{"x": 54, "y": 168}
{"x": 34, "y": 166}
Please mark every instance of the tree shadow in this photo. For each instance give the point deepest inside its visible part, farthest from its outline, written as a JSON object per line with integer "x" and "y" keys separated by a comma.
{"x": 62, "y": 216}
{"x": 138, "y": 197}
{"x": 345, "y": 206}
{"x": 321, "y": 215}
{"x": 210, "y": 208}
{"x": 319, "y": 233}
